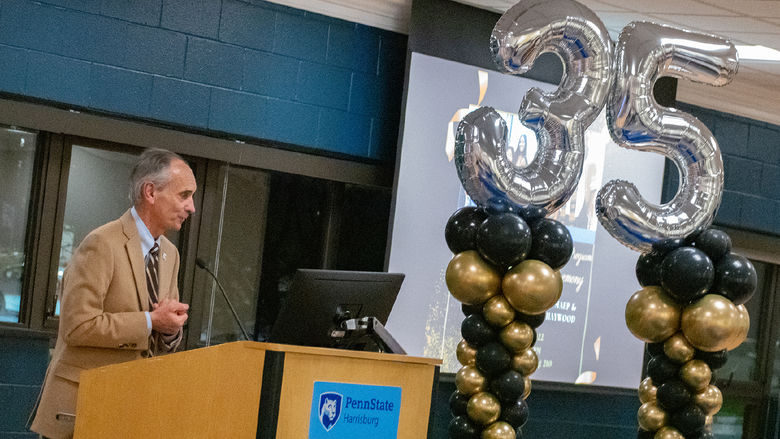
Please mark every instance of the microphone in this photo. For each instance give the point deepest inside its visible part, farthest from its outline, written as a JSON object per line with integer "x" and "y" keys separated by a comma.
{"x": 202, "y": 264}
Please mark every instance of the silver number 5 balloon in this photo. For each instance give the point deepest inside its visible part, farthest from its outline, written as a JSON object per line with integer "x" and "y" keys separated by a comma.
{"x": 646, "y": 51}
{"x": 523, "y": 33}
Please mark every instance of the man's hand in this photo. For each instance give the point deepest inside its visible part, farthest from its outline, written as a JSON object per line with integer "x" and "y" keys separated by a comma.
{"x": 169, "y": 316}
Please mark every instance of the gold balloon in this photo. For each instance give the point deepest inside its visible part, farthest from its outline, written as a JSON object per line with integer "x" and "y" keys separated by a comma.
{"x": 471, "y": 279}
{"x": 466, "y": 353}
{"x": 647, "y": 391}
{"x": 469, "y": 380}
{"x": 527, "y": 384}
{"x": 498, "y": 312}
{"x": 525, "y": 362}
{"x": 709, "y": 401}
{"x": 532, "y": 287}
{"x": 651, "y": 315}
{"x": 499, "y": 430}
{"x": 651, "y": 417}
{"x": 743, "y": 326}
{"x": 712, "y": 323}
{"x": 517, "y": 336}
{"x": 679, "y": 349}
{"x": 696, "y": 374}
{"x": 668, "y": 433}
{"x": 483, "y": 408}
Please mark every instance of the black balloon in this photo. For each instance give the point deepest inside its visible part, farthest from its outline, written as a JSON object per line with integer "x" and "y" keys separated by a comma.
{"x": 531, "y": 214}
{"x": 715, "y": 360}
{"x": 471, "y": 309}
{"x": 476, "y": 331}
{"x": 687, "y": 273}
{"x": 533, "y": 320}
{"x": 533, "y": 341}
{"x": 664, "y": 246}
{"x": 688, "y": 420}
{"x": 655, "y": 349}
{"x": 715, "y": 243}
{"x": 515, "y": 413}
{"x": 661, "y": 369}
{"x": 508, "y": 387}
{"x": 461, "y": 230}
{"x": 648, "y": 269}
{"x": 462, "y": 428}
{"x": 551, "y": 243}
{"x": 495, "y": 206}
{"x": 735, "y": 278}
{"x": 504, "y": 239}
{"x": 458, "y": 403}
{"x": 672, "y": 395}
{"x": 492, "y": 358}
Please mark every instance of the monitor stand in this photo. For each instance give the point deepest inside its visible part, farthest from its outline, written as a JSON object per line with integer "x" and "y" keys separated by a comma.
{"x": 349, "y": 330}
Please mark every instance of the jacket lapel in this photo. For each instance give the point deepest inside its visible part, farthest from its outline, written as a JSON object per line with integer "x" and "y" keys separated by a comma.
{"x": 133, "y": 248}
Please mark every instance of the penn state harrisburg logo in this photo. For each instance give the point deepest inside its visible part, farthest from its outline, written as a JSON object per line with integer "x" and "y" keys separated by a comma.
{"x": 330, "y": 409}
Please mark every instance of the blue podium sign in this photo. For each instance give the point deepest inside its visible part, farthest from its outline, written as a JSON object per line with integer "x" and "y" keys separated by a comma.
{"x": 341, "y": 410}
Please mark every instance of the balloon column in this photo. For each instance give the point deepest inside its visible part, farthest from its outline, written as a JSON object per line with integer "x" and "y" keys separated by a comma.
{"x": 691, "y": 312}
{"x": 507, "y": 253}
{"x": 691, "y": 306}
{"x": 505, "y": 273}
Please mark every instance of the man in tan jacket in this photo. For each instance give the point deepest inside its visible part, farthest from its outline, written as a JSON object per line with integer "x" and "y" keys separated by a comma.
{"x": 120, "y": 298}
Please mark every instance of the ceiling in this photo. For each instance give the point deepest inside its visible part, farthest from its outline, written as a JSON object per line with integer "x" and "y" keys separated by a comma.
{"x": 754, "y": 93}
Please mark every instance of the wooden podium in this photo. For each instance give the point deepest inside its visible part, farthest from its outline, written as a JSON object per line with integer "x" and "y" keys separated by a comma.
{"x": 241, "y": 390}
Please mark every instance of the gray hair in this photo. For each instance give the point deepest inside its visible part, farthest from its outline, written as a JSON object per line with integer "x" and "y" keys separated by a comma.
{"x": 152, "y": 167}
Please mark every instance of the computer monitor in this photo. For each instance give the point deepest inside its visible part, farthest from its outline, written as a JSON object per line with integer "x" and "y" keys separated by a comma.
{"x": 320, "y": 300}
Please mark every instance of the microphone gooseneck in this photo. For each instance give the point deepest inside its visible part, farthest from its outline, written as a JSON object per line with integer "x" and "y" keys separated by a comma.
{"x": 202, "y": 264}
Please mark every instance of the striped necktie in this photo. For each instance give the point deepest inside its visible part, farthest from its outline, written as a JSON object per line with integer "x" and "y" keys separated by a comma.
{"x": 151, "y": 285}
{"x": 151, "y": 273}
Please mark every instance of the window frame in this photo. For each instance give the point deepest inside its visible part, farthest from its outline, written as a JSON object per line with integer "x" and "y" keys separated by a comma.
{"x": 27, "y": 303}
{"x": 756, "y": 394}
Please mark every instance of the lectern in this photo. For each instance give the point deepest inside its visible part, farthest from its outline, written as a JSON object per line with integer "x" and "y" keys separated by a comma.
{"x": 259, "y": 390}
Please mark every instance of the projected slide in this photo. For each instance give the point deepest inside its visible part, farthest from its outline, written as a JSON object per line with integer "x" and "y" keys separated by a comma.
{"x": 584, "y": 338}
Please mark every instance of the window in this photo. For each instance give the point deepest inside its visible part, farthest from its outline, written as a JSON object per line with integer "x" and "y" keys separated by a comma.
{"x": 17, "y": 159}
{"x": 743, "y": 361}
{"x": 259, "y": 227}
{"x": 233, "y": 230}
{"x": 98, "y": 182}
{"x": 749, "y": 378}
{"x": 364, "y": 223}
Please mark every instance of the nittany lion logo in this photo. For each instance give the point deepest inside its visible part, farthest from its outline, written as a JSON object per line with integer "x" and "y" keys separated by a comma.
{"x": 330, "y": 409}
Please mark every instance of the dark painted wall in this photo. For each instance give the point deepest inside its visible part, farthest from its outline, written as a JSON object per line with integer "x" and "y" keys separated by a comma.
{"x": 461, "y": 33}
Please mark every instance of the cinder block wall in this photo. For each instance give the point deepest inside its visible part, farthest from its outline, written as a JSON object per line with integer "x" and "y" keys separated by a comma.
{"x": 242, "y": 68}
{"x": 751, "y": 160}
{"x": 23, "y": 362}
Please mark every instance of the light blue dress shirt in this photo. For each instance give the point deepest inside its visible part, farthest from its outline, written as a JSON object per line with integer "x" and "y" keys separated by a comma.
{"x": 147, "y": 242}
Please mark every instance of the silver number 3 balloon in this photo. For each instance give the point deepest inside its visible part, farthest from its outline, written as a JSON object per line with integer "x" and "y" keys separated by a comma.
{"x": 523, "y": 33}
{"x": 646, "y": 51}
